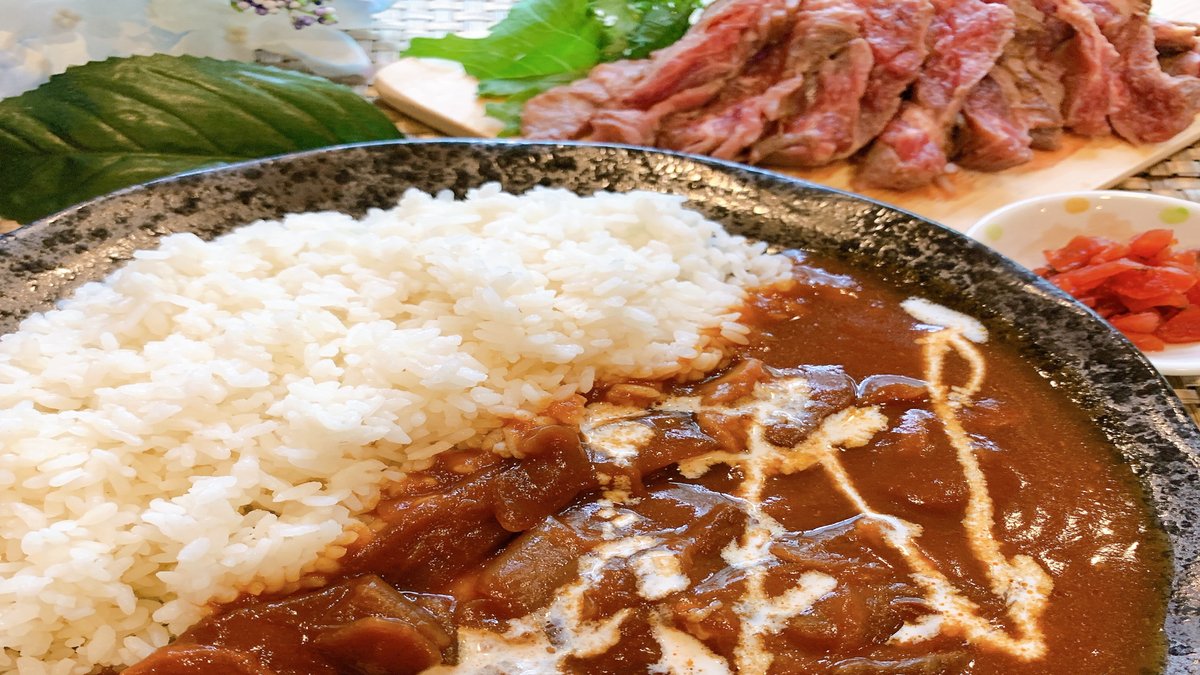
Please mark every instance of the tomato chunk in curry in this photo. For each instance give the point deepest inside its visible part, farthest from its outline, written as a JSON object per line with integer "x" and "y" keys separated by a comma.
{"x": 857, "y": 492}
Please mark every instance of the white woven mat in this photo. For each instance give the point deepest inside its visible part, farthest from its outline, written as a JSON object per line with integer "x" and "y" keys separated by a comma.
{"x": 408, "y": 19}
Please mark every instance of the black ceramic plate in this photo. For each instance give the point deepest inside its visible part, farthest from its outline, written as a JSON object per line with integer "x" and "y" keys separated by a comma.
{"x": 1074, "y": 350}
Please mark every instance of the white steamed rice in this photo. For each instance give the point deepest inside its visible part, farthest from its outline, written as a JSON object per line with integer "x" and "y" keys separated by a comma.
{"x": 212, "y": 417}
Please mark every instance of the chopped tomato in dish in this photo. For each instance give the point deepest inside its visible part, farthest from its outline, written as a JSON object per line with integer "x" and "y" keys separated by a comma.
{"x": 1151, "y": 242}
{"x": 1142, "y": 322}
{"x": 1087, "y": 278}
{"x": 1144, "y": 288}
{"x": 1183, "y": 327}
{"x": 1176, "y": 300}
{"x": 1110, "y": 252}
{"x": 1185, "y": 259}
{"x": 1150, "y": 282}
{"x": 1147, "y": 342}
{"x": 1076, "y": 253}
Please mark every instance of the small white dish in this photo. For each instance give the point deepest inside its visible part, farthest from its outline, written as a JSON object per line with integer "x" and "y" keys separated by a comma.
{"x": 1023, "y": 230}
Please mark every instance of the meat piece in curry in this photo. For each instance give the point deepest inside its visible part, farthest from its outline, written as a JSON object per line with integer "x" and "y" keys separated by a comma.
{"x": 857, "y": 492}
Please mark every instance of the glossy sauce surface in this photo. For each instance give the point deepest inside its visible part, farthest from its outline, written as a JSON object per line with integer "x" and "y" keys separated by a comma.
{"x": 797, "y": 512}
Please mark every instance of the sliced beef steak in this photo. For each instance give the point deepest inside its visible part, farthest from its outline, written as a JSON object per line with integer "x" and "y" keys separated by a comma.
{"x": 897, "y": 31}
{"x": 566, "y": 112}
{"x": 917, "y": 83}
{"x": 1178, "y": 46}
{"x": 994, "y": 137}
{"x": 739, "y": 114}
{"x": 1172, "y": 37}
{"x": 1090, "y": 60}
{"x": 1186, "y": 64}
{"x": 826, "y": 128}
{"x": 640, "y": 127}
{"x": 966, "y": 37}
{"x": 825, "y": 50}
{"x": 626, "y": 101}
{"x": 1018, "y": 106}
{"x": 715, "y": 50}
{"x": 1148, "y": 105}
{"x": 850, "y": 110}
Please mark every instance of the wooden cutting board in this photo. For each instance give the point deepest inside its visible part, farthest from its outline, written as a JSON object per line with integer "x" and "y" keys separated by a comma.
{"x": 1081, "y": 164}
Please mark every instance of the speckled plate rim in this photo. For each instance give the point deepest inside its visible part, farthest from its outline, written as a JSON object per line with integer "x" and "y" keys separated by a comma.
{"x": 1130, "y": 402}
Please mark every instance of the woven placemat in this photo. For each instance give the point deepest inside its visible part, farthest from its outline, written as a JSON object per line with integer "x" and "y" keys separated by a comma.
{"x": 1176, "y": 176}
{"x": 408, "y": 19}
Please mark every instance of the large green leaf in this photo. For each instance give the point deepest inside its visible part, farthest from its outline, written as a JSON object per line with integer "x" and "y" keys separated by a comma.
{"x": 538, "y": 37}
{"x": 108, "y": 125}
{"x": 525, "y": 88}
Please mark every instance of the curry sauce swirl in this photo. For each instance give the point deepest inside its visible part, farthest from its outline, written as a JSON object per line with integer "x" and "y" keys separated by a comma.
{"x": 876, "y": 491}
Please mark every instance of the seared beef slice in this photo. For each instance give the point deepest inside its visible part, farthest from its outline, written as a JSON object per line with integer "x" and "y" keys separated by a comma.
{"x": 627, "y": 100}
{"x": 849, "y": 111}
{"x": 1148, "y": 105}
{"x": 965, "y": 40}
{"x": 1018, "y": 105}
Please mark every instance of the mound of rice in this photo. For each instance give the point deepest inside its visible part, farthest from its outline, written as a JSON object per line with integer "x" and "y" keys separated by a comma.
{"x": 212, "y": 417}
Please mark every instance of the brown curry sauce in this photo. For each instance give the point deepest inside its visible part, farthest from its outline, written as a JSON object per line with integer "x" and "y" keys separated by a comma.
{"x": 478, "y": 541}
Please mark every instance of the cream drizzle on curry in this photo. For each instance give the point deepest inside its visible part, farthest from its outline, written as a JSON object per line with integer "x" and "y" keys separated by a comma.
{"x": 728, "y": 525}
{"x": 1022, "y": 584}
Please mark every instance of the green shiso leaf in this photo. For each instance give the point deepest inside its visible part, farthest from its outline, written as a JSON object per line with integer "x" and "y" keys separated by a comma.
{"x": 537, "y": 38}
{"x": 634, "y": 28}
{"x": 108, "y": 125}
{"x": 526, "y": 88}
